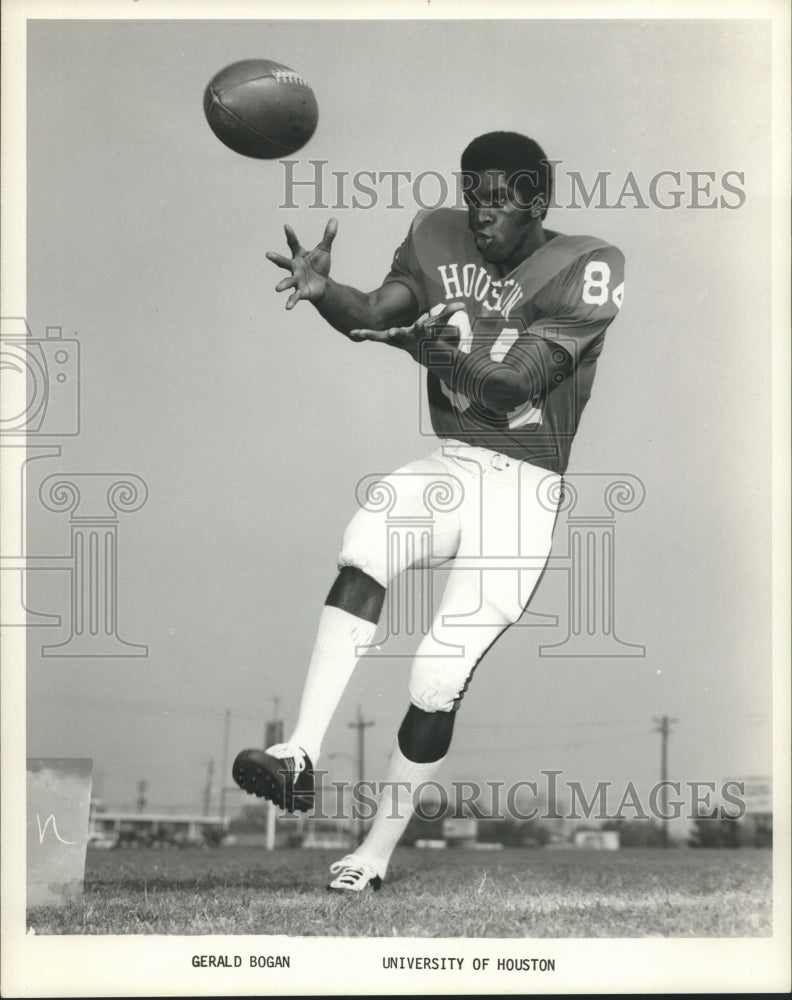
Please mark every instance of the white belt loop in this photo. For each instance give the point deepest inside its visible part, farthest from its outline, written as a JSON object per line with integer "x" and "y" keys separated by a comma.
{"x": 500, "y": 462}
{"x": 487, "y": 459}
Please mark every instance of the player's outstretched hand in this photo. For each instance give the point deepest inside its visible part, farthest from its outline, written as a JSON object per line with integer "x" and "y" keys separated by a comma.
{"x": 409, "y": 338}
{"x": 309, "y": 269}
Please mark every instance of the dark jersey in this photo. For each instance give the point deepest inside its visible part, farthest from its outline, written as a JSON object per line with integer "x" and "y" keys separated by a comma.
{"x": 567, "y": 292}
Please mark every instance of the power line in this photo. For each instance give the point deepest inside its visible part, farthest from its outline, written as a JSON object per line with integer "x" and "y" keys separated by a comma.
{"x": 523, "y": 725}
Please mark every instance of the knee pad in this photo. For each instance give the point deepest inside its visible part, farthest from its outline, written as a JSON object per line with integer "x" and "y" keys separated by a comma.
{"x": 424, "y": 737}
{"x": 389, "y": 532}
{"x": 357, "y": 593}
{"x": 364, "y": 546}
{"x": 437, "y": 684}
{"x": 439, "y": 679}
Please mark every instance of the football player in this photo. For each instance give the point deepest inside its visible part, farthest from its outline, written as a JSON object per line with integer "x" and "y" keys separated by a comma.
{"x": 508, "y": 318}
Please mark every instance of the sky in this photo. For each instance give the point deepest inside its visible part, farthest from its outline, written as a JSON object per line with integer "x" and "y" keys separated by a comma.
{"x": 250, "y": 426}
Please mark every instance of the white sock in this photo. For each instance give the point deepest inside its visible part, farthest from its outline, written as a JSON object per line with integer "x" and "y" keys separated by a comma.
{"x": 394, "y": 809}
{"x": 334, "y": 658}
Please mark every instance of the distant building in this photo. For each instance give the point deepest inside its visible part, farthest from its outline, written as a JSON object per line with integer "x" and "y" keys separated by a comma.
{"x": 598, "y": 840}
{"x": 460, "y": 832}
{"x": 249, "y": 829}
{"x": 328, "y": 833}
{"x": 755, "y": 828}
{"x": 155, "y": 829}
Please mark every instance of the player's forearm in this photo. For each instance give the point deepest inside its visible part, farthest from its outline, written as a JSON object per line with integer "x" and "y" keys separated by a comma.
{"x": 346, "y": 308}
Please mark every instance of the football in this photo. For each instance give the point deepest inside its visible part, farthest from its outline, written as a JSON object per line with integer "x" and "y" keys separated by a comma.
{"x": 261, "y": 108}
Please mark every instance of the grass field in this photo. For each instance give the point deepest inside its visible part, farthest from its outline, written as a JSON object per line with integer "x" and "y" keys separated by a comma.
{"x": 454, "y": 893}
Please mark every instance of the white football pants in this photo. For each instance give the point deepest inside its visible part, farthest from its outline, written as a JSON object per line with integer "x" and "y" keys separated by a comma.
{"x": 486, "y": 516}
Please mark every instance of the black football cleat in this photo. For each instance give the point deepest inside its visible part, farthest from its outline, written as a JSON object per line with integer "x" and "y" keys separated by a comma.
{"x": 281, "y": 774}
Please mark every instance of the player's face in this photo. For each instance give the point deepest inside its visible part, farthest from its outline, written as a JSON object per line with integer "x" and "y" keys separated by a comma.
{"x": 503, "y": 227}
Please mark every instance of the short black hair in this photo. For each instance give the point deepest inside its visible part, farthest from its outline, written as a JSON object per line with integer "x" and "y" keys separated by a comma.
{"x": 521, "y": 159}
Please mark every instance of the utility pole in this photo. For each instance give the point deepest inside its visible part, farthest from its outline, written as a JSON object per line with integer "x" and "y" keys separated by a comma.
{"x": 273, "y": 730}
{"x": 361, "y": 727}
{"x": 141, "y": 797}
{"x": 273, "y": 733}
{"x": 207, "y": 799}
{"x": 663, "y": 728}
{"x": 223, "y": 779}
